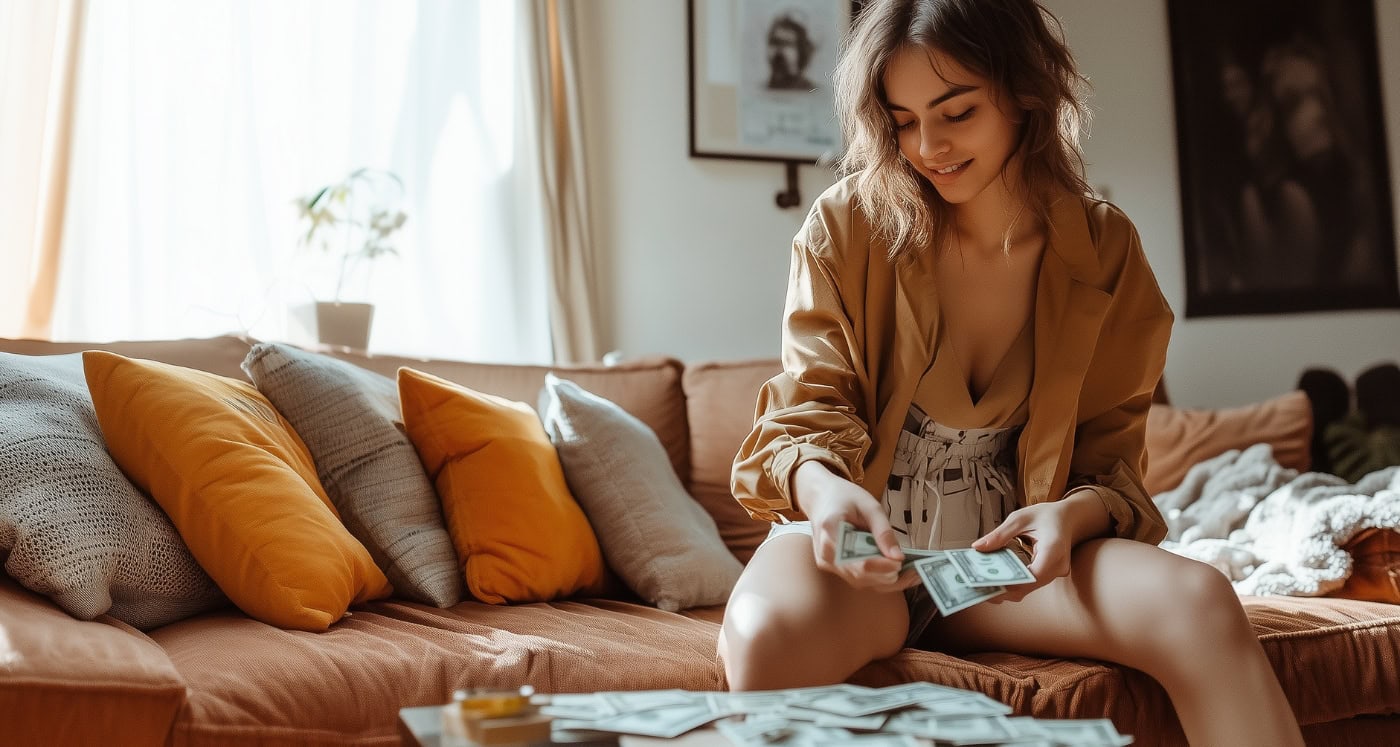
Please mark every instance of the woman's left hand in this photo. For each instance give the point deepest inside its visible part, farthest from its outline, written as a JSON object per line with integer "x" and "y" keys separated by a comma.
{"x": 1044, "y": 527}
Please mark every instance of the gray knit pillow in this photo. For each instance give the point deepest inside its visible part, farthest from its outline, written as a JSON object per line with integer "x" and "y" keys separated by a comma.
{"x": 349, "y": 419}
{"x": 660, "y": 542}
{"x": 75, "y": 528}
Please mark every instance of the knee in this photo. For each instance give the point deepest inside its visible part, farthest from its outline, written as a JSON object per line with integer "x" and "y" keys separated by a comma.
{"x": 754, "y": 643}
{"x": 1199, "y": 611}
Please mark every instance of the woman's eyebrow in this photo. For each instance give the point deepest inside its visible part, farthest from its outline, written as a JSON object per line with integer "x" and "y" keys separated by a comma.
{"x": 950, "y": 93}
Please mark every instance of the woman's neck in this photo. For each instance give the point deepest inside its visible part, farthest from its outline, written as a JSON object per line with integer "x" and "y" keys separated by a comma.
{"x": 983, "y": 224}
{"x": 981, "y": 229}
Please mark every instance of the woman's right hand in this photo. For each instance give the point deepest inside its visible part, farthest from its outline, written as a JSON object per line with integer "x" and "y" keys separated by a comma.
{"x": 829, "y": 499}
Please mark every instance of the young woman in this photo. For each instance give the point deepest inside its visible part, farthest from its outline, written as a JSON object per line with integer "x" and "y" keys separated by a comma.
{"x": 970, "y": 346}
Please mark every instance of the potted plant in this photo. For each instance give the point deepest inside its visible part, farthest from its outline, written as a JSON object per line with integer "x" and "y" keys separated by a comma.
{"x": 353, "y": 220}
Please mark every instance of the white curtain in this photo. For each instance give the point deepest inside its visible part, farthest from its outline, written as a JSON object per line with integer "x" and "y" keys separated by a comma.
{"x": 38, "y": 57}
{"x": 197, "y": 124}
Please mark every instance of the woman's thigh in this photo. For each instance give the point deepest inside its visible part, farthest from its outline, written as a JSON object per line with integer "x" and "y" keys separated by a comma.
{"x": 1123, "y": 601}
{"x": 785, "y": 608}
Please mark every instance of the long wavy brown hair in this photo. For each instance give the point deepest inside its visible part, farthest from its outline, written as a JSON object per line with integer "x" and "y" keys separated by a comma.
{"x": 1018, "y": 46}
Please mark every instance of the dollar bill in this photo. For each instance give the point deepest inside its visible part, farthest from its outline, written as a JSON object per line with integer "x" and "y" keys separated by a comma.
{"x": 997, "y": 568}
{"x": 855, "y": 704}
{"x": 947, "y": 586}
{"x": 1087, "y": 732}
{"x": 857, "y": 544}
{"x": 666, "y": 722}
{"x": 853, "y": 544}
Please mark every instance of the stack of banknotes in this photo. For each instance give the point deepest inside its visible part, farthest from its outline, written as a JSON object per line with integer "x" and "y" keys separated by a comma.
{"x": 905, "y": 715}
{"x": 956, "y": 579}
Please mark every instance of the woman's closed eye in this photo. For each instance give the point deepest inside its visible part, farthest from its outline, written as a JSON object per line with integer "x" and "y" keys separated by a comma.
{"x": 966, "y": 115}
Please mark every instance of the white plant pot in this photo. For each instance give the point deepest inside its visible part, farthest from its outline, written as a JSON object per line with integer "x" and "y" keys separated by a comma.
{"x": 345, "y": 324}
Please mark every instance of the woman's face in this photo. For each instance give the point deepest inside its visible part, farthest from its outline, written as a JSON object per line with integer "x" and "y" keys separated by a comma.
{"x": 949, "y": 123}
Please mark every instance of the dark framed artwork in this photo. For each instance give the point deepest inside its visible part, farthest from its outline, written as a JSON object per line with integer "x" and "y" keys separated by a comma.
{"x": 760, "y": 78}
{"x": 1285, "y": 179}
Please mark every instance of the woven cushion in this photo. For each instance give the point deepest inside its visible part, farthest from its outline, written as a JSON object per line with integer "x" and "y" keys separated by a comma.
{"x": 239, "y": 486}
{"x": 349, "y": 419}
{"x": 660, "y": 542}
{"x": 75, "y": 528}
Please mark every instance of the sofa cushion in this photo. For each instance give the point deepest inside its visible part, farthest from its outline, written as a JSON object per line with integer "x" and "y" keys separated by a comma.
{"x": 220, "y": 355}
{"x": 69, "y": 682}
{"x": 661, "y": 543}
{"x": 247, "y": 680}
{"x": 1179, "y": 438}
{"x": 520, "y": 535}
{"x": 1335, "y": 659}
{"x": 720, "y": 401}
{"x": 649, "y": 388}
{"x": 349, "y": 418}
{"x": 239, "y": 486}
{"x": 74, "y": 527}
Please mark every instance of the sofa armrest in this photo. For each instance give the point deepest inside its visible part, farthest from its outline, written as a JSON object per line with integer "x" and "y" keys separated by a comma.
{"x": 64, "y": 681}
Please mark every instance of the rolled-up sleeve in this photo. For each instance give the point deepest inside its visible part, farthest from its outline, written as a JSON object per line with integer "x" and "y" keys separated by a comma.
{"x": 1110, "y": 459}
{"x": 812, "y": 410}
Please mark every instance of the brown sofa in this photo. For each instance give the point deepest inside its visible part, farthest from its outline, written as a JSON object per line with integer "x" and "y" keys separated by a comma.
{"x": 223, "y": 678}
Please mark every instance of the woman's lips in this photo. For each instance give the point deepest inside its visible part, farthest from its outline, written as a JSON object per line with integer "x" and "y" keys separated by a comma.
{"x": 951, "y": 176}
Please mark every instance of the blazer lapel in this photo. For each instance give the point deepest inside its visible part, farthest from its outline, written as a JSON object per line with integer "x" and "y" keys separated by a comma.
{"x": 1069, "y": 313}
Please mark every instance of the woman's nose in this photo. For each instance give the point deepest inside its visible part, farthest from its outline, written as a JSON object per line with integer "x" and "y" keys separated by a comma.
{"x": 933, "y": 147}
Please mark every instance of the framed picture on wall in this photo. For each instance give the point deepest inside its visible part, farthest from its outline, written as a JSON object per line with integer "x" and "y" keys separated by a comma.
{"x": 1285, "y": 182}
{"x": 760, "y": 78}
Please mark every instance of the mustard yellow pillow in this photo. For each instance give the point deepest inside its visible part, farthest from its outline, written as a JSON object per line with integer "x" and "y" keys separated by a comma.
{"x": 239, "y": 486}
{"x": 519, "y": 534}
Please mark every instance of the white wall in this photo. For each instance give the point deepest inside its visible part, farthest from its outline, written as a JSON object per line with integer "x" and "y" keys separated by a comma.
{"x": 695, "y": 253}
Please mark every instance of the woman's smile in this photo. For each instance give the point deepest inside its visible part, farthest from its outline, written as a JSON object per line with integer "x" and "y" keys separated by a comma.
{"x": 949, "y": 174}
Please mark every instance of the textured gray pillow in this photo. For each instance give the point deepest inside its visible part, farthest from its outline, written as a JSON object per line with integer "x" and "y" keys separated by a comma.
{"x": 349, "y": 419}
{"x": 75, "y": 528}
{"x": 660, "y": 542}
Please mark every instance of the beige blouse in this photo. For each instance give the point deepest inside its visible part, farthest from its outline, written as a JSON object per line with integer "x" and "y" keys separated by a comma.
{"x": 944, "y": 395}
{"x": 859, "y": 335}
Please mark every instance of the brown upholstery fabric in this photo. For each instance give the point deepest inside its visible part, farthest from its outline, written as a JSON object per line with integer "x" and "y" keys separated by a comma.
{"x": 1375, "y": 570}
{"x": 648, "y": 388}
{"x": 1179, "y": 438}
{"x": 720, "y": 401}
{"x": 64, "y": 681}
{"x": 344, "y": 687}
{"x": 1364, "y": 731}
{"x": 219, "y": 355}
{"x": 1335, "y": 658}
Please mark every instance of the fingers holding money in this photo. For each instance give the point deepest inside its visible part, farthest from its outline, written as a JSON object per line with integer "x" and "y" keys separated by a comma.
{"x": 858, "y": 557}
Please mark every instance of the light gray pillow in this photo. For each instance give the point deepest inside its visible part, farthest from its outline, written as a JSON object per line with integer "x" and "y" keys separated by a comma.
{"x": 661, "y": 543}
{"x": 75, "y": 528}
{"x": 349, "y": 419}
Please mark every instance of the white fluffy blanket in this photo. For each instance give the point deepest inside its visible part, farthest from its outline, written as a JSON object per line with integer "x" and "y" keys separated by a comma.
{"x": 1270, "y": 529}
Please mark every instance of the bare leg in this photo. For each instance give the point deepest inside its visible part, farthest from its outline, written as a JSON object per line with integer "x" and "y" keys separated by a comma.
{"x": 1138, "y": 605}
{"x": 790, "y": 624}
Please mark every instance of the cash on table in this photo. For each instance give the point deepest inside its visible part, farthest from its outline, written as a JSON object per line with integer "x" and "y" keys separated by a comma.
{"x": 895, "y": 716}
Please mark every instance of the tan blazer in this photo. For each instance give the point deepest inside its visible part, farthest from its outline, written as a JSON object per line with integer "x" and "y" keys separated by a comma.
{"x": 857, "y": 338}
